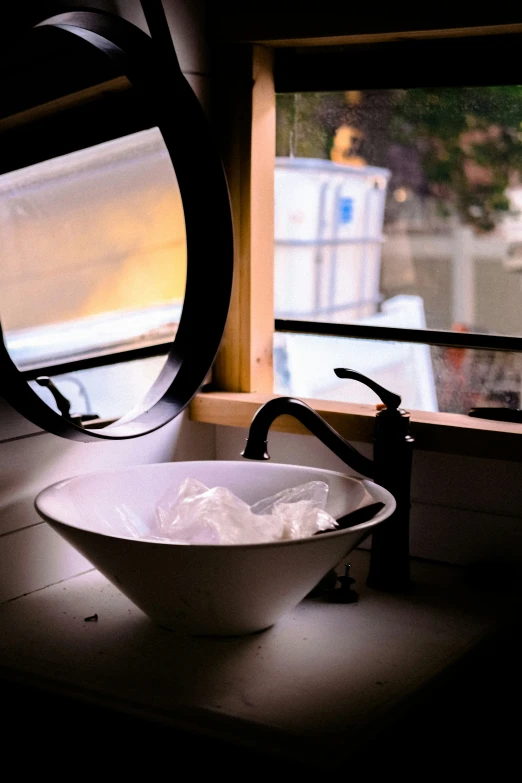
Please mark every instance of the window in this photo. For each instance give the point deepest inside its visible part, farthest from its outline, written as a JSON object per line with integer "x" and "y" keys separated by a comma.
{"x": 242, "y": 374}
{"x": 400, "y": 208}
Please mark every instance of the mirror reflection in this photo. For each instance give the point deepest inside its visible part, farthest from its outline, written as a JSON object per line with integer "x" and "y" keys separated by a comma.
{"x": 93, "y": 241}
{"x": 94, "y": 250}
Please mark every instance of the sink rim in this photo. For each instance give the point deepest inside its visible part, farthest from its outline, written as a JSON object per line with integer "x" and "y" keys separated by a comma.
{"x": 378, "y": 493}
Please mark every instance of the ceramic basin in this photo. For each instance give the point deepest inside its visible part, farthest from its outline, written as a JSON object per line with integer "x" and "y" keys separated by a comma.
{"x": 204, "y": 589}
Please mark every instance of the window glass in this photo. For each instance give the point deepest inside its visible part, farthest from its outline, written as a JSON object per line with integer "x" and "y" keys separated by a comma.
{"x": 429, "y": 378}
{"x": 418, "y": 192}
{"x": 403, "y": 208}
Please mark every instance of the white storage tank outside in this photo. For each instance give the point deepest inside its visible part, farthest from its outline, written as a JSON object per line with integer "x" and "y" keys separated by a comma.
{"x": 328, "y": 235}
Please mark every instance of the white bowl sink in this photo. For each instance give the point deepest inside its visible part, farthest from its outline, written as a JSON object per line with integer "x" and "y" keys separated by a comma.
{"x": 204, "y": 589}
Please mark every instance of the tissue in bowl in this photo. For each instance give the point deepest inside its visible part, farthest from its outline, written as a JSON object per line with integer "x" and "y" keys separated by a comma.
{"x": 199, "y": 515}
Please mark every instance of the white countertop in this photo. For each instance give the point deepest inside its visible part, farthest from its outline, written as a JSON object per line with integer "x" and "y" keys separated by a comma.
{"x": 325, "y": 672}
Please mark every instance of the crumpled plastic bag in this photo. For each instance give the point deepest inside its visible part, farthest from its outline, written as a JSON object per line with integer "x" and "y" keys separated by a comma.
{"x": 199, "y": 515}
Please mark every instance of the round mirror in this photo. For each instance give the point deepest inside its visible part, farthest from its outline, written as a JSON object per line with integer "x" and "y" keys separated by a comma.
{"x": 116, "y": 231}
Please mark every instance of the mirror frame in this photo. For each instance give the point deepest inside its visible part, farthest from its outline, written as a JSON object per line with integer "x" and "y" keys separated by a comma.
{"x": 161, "y": 87}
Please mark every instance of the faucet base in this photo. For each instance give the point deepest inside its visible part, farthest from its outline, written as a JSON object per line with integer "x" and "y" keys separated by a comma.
{"x": 389, "y": 561}
{"x": 390, "y": 586}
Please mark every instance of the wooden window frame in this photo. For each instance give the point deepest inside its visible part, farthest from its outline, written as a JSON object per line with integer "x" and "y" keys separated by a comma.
{"x": 244, "y": 116}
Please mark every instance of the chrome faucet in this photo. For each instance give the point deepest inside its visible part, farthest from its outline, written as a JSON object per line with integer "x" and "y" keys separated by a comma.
{"x": 390, "y": 467}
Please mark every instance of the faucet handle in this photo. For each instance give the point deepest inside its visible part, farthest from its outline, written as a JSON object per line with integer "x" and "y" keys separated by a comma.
{"x": 388, "y": 398}
{"x": 62, "y": 403}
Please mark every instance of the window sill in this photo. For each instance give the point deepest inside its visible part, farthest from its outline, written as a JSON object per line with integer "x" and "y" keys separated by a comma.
{"x": 446, "y": 433}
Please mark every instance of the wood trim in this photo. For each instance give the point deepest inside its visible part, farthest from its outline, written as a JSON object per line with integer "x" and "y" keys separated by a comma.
{"x": 51, "y": 108}
{"x": 244, "y": 116}
{"x": 385, "y": 37}
{"x": 447, "y": 433}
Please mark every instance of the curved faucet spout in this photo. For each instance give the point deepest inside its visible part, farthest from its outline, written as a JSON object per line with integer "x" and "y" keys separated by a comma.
{"x": 256, "y": 445}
